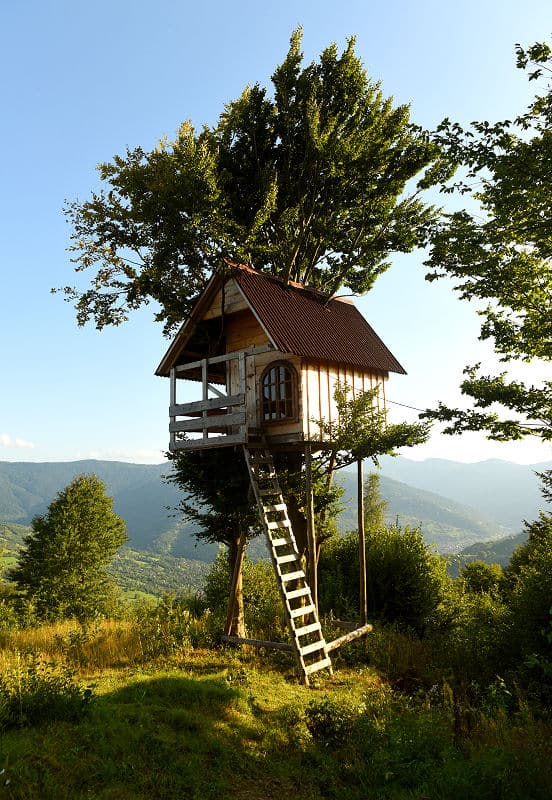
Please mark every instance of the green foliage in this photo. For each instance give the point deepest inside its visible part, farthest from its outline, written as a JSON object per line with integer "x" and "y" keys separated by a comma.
{"x": 216, "y": 493}
{"x": 264, "y": 614}
{"x": 501, "y": 256}
{"x": 61, "y": 567}
{"x": 307, "y": 184}
{"x": 474, "y": 645}
{"x": 170, "y": 626}
{"x": 407, "y": 583}
{"x": 479, "y": 578}
{"x": 530, "y": 606}
{"x": 33, "y": 691}
{"x": 539, "y": 541}
{"x": 361, "y": 430}
{"x": 330, "y": 720}
{"x": 375, "y": 507}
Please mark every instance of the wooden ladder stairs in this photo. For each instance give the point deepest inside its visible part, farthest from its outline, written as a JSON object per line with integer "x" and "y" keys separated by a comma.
{"x": 308, "y": 641}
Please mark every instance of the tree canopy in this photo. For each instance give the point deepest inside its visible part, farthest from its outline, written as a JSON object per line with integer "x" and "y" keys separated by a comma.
{"x": 502, "y": 255}
{"x": 306, "y": 182}
{"x": 61, "y": 568}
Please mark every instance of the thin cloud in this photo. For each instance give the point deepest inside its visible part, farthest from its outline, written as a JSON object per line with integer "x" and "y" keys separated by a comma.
{"x": 7, "y": 441}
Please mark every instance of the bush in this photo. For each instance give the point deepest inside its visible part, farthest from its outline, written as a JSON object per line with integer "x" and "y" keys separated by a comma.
{"x": 169, "y": 626}
{"x": 481, "y": 578}
{"x": 475, "y": 645}
{"x": 33, "y": 691}
{"x": 331, "y": 720}
{"x": 406, "y": 581}
{"x": 264, "y": 614}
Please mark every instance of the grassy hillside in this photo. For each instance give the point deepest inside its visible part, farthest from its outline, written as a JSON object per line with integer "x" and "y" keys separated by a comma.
{"x": 134, "y": 570}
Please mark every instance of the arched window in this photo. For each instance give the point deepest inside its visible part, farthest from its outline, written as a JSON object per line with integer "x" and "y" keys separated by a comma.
{"x": 279, "y": 389}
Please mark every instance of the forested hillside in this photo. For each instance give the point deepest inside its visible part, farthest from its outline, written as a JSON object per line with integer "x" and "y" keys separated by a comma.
{"x": 147, "y": 502}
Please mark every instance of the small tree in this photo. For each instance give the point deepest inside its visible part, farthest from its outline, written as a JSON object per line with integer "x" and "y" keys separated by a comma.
{"x": 62, "y": 565}
{"x": 375, "y": 505}
{"x": 217, "y": 497}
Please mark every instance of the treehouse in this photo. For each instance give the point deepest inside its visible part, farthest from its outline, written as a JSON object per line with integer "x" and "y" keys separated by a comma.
{"x": 266, "y": 357}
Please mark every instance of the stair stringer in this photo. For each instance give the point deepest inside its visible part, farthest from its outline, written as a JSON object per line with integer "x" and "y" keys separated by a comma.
{"x": 308, "y": 641}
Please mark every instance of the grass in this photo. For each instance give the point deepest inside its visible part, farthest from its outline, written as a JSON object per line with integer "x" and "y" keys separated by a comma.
{"x": 218, "y": 724}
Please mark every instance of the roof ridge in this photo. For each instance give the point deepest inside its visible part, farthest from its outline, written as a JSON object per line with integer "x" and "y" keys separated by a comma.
{"x": 239, "y": 267}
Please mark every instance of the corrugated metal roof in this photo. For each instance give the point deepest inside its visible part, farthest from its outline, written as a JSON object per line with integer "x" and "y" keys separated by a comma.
{"x": 304, "y": 322}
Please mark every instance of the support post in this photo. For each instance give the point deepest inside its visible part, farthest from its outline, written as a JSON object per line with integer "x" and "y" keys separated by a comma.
{"x": 311, "y": 530}
{"x": 363, "y": 596}
{"x": 234, "y": 585}
{"x": 172, "y": 404}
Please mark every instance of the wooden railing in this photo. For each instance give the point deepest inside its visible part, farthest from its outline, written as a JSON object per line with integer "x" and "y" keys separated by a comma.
{"x": 220, "y": 420}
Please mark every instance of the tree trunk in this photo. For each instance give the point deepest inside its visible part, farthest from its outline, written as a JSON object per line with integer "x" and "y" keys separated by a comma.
{"x": 235, "y": 623}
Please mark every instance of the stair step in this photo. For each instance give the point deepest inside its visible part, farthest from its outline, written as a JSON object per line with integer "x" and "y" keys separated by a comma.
{"x": 302, "y": 611}
{"x": 279, "y": 533}
{"x": 318, "y": 665}
{"x": 287, "y": 559}
{"x": 298, "y": 593}
{"x": 279, "y": 542}
{"x": 292, "y": 576}
{"x": 283, "y": 523}
{"x": 314, "y": 626}
{"x": 312, "y": 648}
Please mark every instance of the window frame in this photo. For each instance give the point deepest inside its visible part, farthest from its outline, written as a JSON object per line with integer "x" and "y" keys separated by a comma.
{"x": 293, "y": 399}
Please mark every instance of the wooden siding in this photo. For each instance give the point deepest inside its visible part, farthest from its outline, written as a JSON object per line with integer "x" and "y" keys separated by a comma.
{"x": 243, "y": 331}
{"x": 234, "y": 301}
{"x": 319, "y": 381}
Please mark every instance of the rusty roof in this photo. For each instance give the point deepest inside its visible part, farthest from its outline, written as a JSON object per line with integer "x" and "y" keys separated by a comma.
{"x": 307, "y": 323}
{"x": 301, "y": 321}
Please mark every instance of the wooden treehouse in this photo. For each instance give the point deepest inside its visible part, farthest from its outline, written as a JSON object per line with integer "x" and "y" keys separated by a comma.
{"x": 266, "y": 357}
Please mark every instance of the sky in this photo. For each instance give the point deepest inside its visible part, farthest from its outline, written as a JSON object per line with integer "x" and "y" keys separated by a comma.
{"x": 81, "y": 82}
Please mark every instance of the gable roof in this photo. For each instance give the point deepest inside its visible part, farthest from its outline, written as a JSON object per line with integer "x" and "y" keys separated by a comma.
{"x": 297, "y": 320}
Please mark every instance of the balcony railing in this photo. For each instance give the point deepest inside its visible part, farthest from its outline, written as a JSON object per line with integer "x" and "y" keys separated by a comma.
{"x": 213, "y": 421}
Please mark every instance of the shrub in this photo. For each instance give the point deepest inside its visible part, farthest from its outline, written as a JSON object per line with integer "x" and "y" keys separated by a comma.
{"x": 33, "y": 691}
{"x": 478, "y": 577}
{"x": 261, "y": 598}
{"x": 332, "y": 720}
{"x": 475, "y": 644}
{"x": 406, "y": 581}
{"x": 169, "y": 626}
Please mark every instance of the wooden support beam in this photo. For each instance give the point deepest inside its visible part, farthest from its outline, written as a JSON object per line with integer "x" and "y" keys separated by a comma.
{"x": 348, "y": 637}
{"x": 235, "y": 580}
{"x": 311, "y": 530}
{"x": 249, "y": 351}
{"x": 363, "y": 594}
{"x": 256, "y": 643}
{"x": 213, "y": 441}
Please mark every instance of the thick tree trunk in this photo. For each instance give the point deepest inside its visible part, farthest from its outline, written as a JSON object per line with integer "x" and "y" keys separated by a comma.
{"x": 235, "y": 623}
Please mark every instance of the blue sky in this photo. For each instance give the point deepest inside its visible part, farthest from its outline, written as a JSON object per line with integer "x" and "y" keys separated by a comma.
{"x": 81, "y": 82}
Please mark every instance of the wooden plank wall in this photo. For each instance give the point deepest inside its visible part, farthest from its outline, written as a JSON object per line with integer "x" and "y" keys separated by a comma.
{"x": 319, "y": 381}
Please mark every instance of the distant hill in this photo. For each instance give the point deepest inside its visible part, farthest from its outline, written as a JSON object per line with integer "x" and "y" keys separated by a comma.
{"x": 445, "y": 523}
{"x": 163, "y": 553}
{"x": 504, "y": 492}
{"x": 147, "y": 502}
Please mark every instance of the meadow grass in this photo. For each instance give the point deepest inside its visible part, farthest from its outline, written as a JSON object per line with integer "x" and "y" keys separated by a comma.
{"x": 214, "y": 724}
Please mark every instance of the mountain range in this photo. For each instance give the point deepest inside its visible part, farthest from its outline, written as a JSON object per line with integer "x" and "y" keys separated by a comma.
{"x": 456, "y": 505}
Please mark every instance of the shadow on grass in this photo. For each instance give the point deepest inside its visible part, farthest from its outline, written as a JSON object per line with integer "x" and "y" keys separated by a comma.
{"x": 166, "y": 737}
